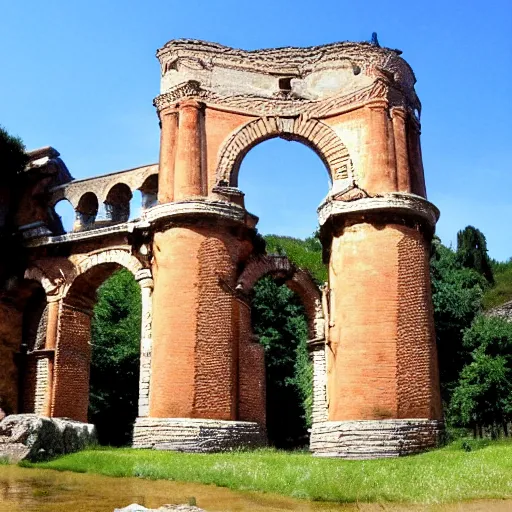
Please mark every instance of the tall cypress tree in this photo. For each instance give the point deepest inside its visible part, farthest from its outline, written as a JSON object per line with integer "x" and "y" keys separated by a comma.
{"x": 472, "y": 252}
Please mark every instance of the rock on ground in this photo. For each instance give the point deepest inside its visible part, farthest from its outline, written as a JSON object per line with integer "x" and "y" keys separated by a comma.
{"x": 37, "y": 438}
{"x": 139, "y": 508}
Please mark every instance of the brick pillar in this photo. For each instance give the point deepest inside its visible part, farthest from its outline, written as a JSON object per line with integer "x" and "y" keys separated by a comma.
{"x": 380, "y": 150}
{"x": 168, "y": 139}
{"x": 72, "y": 364}
{"x": 51, "y": 342}
{"x": 399, "y": 117}
{"x": 252, "y": 403}
{"x": 382, "y": 354}
{"x": 195, "y": 343}
{"x": 187, "y": 175}
{"x": 382, "y": 377}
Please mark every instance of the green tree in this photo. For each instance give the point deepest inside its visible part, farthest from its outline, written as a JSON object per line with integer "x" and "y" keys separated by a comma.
{"x": 483, "y": 395}
{"x": 457, "y": 298}
{"x": 115, "y": 359}
{"x": 280, "y": 323}
{"x": 472, "y": 252}
{"x": 13, "y": 160}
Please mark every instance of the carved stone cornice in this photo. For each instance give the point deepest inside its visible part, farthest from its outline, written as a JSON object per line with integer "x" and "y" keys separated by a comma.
{"x": 257, "y": 105}
{"x": 395, "y": 203}
{"x": 195, "y": 208}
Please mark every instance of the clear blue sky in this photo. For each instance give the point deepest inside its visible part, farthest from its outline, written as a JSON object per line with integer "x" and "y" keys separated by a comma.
{"x": 81, "y": 76}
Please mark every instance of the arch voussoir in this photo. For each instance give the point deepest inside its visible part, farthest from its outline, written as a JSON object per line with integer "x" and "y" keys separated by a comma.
{"x": 312, "y": 132}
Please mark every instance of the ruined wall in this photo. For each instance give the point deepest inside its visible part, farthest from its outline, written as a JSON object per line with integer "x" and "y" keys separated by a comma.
{"x": 10, "y": 342}
{"x": 252, "y": 404}
{"x": 72, "y": 365}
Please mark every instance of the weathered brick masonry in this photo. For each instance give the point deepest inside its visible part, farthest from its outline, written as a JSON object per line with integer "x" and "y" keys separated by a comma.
{"x": 196, "y": 255}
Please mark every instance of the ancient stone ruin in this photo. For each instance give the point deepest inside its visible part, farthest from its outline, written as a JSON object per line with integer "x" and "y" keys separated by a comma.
{"x": 195, "y": 253}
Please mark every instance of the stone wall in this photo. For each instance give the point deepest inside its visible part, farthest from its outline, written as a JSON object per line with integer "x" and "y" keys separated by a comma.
{"x": 504, "y": 311}
{"x": 381, "y": 359}
{"x": 319, "y": 410}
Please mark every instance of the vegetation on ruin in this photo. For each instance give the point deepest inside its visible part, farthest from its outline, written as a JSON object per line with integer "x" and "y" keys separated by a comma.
{"x": 464, "y": 470}
{"x": 306, "y": 254}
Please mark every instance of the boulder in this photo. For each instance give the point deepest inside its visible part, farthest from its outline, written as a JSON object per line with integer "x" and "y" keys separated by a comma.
{"x": 37, "y": 438}
{"x": 134, "y": 507}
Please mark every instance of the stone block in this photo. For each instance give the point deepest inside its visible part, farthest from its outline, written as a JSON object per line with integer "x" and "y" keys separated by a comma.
{"x": 36, "y": 438}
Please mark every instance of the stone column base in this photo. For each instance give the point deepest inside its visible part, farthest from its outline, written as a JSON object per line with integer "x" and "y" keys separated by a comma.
{"x": 374, "y": 439}
{"x": 196, "y": 435}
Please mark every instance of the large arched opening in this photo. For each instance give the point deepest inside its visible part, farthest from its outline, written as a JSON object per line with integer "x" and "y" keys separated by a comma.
{"x": 98, "y": 354}
{"x": 284, "y": 182}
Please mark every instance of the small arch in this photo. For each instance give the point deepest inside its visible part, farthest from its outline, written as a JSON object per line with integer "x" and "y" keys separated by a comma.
{"x": 317, "y": 135}
{"x": 86, "y": 211}
{"x": 149, "y": 190}
{"x": 117, "y": 203}
{"x": 73, "y": 351}
{"x": 65, "y": 215}
{"x": 299, "y": 281}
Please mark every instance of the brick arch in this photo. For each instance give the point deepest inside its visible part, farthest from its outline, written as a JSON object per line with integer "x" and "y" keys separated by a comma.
{"x": 297, "y": 280}
{"x": 317, "y": 135}
{"x": 114, "y": 256}
{"x": 73, "y": 350}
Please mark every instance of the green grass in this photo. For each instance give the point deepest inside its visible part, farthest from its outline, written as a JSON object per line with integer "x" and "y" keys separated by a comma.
{"x": 306, "y": 254}
{"x": 445, "y": 475}
{"x": 501, "y": 292}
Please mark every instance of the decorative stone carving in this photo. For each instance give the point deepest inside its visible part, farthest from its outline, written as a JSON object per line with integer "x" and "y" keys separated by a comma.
{"x": 293, "y": 106}
{"x": 308, "y": 75}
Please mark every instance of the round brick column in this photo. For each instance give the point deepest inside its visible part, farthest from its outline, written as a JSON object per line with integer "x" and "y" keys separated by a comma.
{"x": 194, "y": 367}
{"x": 195, "y": 361}
{"x": 381, "y": 351}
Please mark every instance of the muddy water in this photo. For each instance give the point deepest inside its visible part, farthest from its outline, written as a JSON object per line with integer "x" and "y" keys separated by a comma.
{"x": 45, "y": 490}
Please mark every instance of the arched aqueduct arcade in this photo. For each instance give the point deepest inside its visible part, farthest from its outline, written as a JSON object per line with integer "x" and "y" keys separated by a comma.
{"x": 195, "y": 253}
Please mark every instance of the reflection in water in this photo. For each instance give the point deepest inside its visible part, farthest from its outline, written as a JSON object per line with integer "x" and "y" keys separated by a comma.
{"x": 40, "y": 490}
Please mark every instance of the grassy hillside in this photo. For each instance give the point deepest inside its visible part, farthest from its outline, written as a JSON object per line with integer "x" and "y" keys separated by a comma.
{"x": 501, "y": 292}
{"x": 306, "y": 254}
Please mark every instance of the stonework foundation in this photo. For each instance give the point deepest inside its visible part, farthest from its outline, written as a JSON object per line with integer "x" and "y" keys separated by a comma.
{"x": 374, "y": 438}
{"x": 196, "y": 435}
